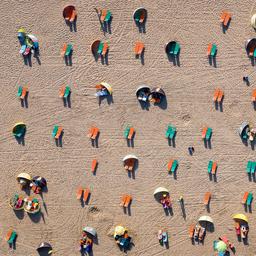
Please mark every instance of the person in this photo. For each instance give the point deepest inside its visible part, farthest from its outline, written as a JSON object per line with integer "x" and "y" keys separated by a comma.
{"x": 191, "y": 150}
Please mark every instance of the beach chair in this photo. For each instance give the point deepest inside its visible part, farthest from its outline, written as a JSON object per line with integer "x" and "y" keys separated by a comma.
{"x": 204, "y": 133}
{"x": 86, "y": 195}
{"x": 67, "y": 92}
{"x": 79, "y": 193}
{"x": 62, "y": 91}
{"x": 216, "y": 94}
{"x": 254, "y": 95}
{"x": 139, "y": 48}
{"x": 208, "y": 134}
{"x": 207, "y": 198}
{"x": 95, "y": 133}
{"x": 73, "y": 16}
{"x": 191, "y": 230}
{"x": 214, "y": 168}
{"x": 55, "y": 130}
{"x": 105, "y": 49}
{"x": 59, "y": 133}
{"x": 69, "y": 49}
{"x": 210, "y": 166}
{"x": 209, "y": 48}
{"x": 213, "y": 50}
{"x": 128, "y": 201}
{"x": 249, "y": 199}
{"x": 248, "y": 167}
{"x": 63, "y": 50}
{"x": 172, "y": 165}
{"x": 103, "y": 15}
{"x": 131, "y": 133}
{"x": 94, "y": 165}
{"x": 176, "y": 49}
{"x": 126, "y": 132}
{"x": 100, "y": 48}
{"x": 108, "y": 16}
{"x": 245, "y": 197}
{"x": 220, "y": 96}
{"x": 11, "y": 236}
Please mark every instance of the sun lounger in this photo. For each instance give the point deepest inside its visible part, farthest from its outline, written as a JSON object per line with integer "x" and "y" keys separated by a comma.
{"x": 105, "y": 49}
{"x": 79, "y": 193}
{"x": 19, "y": 91}
{"x": 216, "y": 94}
{"x": 108, "y": 16}
{"x": 91, "y": 132}
{"x": 62, "y": 91}
{"x": 86, "y": 194}
{"x": 73, "y": 16}
{"x": 248, "y": 167}
{"x": 191, "y": 231}
{"x": 123, "y": 199}
{"x": 245, "y": 197}
{"x": 213, "y": 50}
{"x": 176, "y": 49}
{"x": 174, "y": 166}
{"x": 128, "y": 200}
{"x": 169, "y": 129}
{"x": 208, "y": 134}
{"x": 126, "y": 132}
{"x": 94, "y": 165}
{"x": 253, "y": 167}
{"x": 67, "y": 92}
{"x": 55, "y": 130}
{"x": 209, "y": 48}
{"x": 254, "y": 95}
{"x": 227, "y": 19}
{"x": 207, "y": 197}
{"x": 210, "y": 166}
{"x": 214, "y": 168}
{"x": 8, "y": 235}
{"x": 169, "y": 166}
{"x": 24, "y": 93}
{"x": 95, "y": 133}
{"x": 59, "y": 133}
{"x": 249, "y": 199}
{"x": 63, "y": 50}
{"x": 139, "y": 47}
{"x": 101, "y": 45}
{"x": 220, "y": 96}
{"x": 69, "y": 50}
{"x": 204, "y": 132}
{"x": 103, "y": 15}
{"x": 172, "y": 133}
{"x": 131, "y": 133}
{"x": 12, "y": 237}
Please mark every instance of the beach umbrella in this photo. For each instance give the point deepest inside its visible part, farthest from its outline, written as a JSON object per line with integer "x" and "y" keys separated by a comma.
{"x": 19, "y": 129}
{"x": 221, "y": 246}
{"x": 240, "y": 217}
{"x": 129, "y": 157}
{"x": 243, "y": 128}
{"x": 39, "y": 181}
{"x": 140, "y": 15}
{"x": 253, "y": 21}
{"x": 250, "y": 45}
{"x": 205, "y": 219}
{"x": 169, "y": 47}
{"x": 95, "y": 47}
{"x": 24, "y": 176}
{"x": 159, "y": 192}
{"x": 90, "y": 230}
{"x": 67, "y": 11}
{"x": 22, "y": 30}
{"x": 119, "y": 231}
{"x": 143, "y": 89}
{"x": 107, "y": 86}
{"x": 44, "y": 247}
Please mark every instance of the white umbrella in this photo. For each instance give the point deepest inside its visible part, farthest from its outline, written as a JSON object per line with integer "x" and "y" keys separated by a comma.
{"x": 129, "y": 157}
{"x": 158, "y": 193}
{"x": 253, "y": 21}
{"x": 90, "y": 230}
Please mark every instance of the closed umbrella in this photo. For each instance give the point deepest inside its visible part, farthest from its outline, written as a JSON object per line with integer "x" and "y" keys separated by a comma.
{"x": 159, "y": 192}
{"x": 90, "y": 230}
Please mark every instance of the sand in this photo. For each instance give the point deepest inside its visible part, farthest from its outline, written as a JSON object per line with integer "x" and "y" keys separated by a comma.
{"x": 189, "y": 90}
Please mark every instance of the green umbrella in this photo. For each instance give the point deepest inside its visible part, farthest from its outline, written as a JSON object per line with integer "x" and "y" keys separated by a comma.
{"x": 221, "y": 246}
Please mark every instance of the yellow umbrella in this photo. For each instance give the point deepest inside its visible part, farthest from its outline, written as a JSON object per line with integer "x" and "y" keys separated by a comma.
{"x": 119, "y": 231}
{"x": 240, "y": 216}
{"x": 107, "y": 86}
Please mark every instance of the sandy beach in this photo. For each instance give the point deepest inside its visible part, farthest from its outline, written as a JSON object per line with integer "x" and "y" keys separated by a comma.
{"x": 189, "y": 89}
